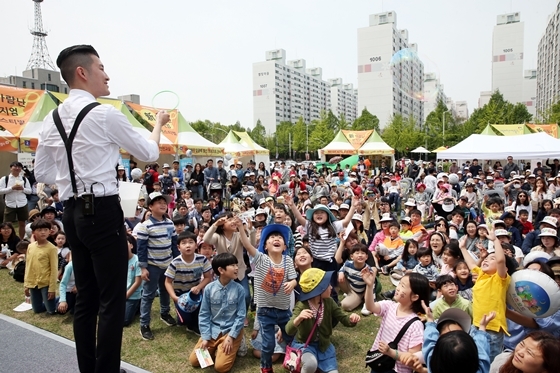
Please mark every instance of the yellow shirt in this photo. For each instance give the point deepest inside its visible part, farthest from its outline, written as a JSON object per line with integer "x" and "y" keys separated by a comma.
{"x": 489, "y": 294}
{"x": 41, "y": 266}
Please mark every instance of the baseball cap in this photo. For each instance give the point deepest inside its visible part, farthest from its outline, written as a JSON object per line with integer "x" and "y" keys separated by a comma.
{"x": 455, "y": 314}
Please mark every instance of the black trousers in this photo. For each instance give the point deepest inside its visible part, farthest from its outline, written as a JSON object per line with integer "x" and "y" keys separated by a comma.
{"x": 100, "y": 256}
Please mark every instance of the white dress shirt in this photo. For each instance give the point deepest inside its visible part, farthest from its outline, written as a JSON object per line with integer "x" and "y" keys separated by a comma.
{"x": 15, "y": 198}
{"x": 95, "y": 150}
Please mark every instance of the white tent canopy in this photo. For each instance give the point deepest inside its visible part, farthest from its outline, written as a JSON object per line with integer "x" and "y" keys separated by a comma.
{"x": 531, "y": 146}
{"x": 420, "y": 149}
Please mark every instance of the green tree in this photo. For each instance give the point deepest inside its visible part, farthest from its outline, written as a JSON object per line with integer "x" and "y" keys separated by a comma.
{"x": 321, "y": 136}
{"x": 433, "y": 128}
{"x": 402, "y": 134}
{"x": 281, "y": 139}
{"x": 299, "y": 138}
{"x": 258, "y": 134}
{"x": 551, "y": 114}
{"x": 366, "y": 121}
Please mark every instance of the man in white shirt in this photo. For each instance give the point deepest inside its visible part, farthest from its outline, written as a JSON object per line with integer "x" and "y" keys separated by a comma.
{"x": 15, "y": 188}
{"x": 97, "y": 238}
{"x": 430, "y": 180}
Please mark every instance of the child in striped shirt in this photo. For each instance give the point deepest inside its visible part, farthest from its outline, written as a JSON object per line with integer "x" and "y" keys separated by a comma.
{"x": 157, "y": 246}
{"x": 350, "y": 280}
{"x": 189, "y": 272}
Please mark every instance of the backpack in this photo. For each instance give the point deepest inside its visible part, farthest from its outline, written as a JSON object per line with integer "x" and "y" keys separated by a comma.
{"x": 6, "y": 184}
{"x": 148, "y": 178}
{"x": 19, "y": 271}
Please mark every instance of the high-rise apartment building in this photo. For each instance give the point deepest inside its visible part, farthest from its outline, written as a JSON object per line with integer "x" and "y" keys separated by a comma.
{"x": 462, "y": 110}
{"x": 287, "y": 91}
{"x": 548, "y": 64}
{"x": 433, "y": 93}
{"x": 530, "y": 91}
{"x": 344, "y": 100}
{"x": 390, "y": 73}
{"x": 507, "y": 57}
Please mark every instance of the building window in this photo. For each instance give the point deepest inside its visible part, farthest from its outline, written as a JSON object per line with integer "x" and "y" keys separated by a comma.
{"x": 24, "y": 84}
{"x": 49, "y": 77}
{"x": 32, "y": 85}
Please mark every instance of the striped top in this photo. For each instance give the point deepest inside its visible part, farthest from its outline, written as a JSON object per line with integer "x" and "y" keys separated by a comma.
{"x": 185, "y": 275}
{"x": 354, "y": 277}
{"x": 324, "y": 248}
{"x": 270, "y": 279}
{"x": 157, "y": 243}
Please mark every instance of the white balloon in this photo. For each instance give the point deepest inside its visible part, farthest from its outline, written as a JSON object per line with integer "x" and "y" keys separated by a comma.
{"x": 228, "y": 156}
{"x": 533, "y": 294}
{"x": 136, "y": 174}
{"x": 189, "y": 153}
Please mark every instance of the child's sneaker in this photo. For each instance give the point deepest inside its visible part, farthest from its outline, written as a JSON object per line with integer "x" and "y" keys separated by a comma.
{"x": 365, "y": 311}
{"x": 385, "y": 270}
{"x": 242, "y": 351}
{"x": 167, "y": 319}
{"x": 267, "y": 370}
{"x": 146, "y": 333}
{"x": 193, "y": 330}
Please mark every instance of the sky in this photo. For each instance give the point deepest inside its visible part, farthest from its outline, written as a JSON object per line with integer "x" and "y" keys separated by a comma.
{"x": 204, "y": 50}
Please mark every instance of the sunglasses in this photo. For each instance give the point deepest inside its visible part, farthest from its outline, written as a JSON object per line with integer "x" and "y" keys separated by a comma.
{"x": 440, "y": 225}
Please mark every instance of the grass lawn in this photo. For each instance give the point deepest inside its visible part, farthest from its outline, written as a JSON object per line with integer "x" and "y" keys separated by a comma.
{"x": 170, "y": 350}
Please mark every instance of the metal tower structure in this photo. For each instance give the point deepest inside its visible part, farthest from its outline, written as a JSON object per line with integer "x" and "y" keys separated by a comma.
{"x": 40, "y": 57}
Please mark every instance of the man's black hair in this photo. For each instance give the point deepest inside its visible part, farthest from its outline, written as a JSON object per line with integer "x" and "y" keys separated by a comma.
{"x": 179, "y": 221}
{"x": 222, "y": 261}
{"x": 72, "y": 57}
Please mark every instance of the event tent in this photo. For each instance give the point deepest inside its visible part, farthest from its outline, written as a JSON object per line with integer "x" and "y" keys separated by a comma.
{"x": 531, "y": 146}
{"x": 261, "y": 154}
{"x": 489, "y": 131}
{"x": 179, "y": 132}
{"x": 29, "y": 137}
{"x": 239, "y": 152}
{"x": 338, "y": 146}
{"x": 375, "y": 145}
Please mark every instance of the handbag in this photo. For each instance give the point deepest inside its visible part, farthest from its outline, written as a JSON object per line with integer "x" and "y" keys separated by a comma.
{"x": 378, "y": 361}
{"x": 292, "y": 358}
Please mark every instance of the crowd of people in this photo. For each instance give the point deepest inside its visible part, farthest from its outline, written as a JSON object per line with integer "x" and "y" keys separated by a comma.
{"x": 305, "y": 248}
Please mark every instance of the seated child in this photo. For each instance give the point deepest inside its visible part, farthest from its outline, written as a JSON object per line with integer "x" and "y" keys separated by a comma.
{"x": 222, "y": 312}
{"x": 67, "y": 290}
{"x": 41, "y": 269}
{"x": 407, "y": 261}
{"x": 426, "y": 266}
{"x": 405, "y": 232}
{"x": 350, "y": 280}
{"x": 446, "y": 285}
{"x": 524, "y": 220}
{"x": 492, "y": 209}
{"x": 422, "y": 200}
{"x": 317, "y": 310}
{"x": 133, "y": 282}
{"x": 463, "y": 279}
{"x": 63, "y": 252}
{"x": 180, "y": 225}
{"x": 391, "y": 247}
{"x": 189, "y": 272}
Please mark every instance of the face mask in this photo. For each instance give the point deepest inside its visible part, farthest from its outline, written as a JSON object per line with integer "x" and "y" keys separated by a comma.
{"x": 517, "y": 186}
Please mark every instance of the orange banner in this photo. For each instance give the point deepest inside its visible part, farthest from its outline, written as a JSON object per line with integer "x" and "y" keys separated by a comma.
{"x": 170, "y": 130}
{"x": 16, "y": 107}
{"x": 551, "y": 129}
{"x": 357, "y": 138}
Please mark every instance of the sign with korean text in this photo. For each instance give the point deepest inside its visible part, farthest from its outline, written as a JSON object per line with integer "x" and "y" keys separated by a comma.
{"x": 16, "y": 107}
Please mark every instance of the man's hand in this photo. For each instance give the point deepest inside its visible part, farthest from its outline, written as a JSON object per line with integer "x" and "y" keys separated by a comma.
{"x": 162, "y": 117}
{"x": 145, "y": 274}
{"x": 26, "y": 291}
{"x": 204, "y": 345}
{"x": 50, "y": 295}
